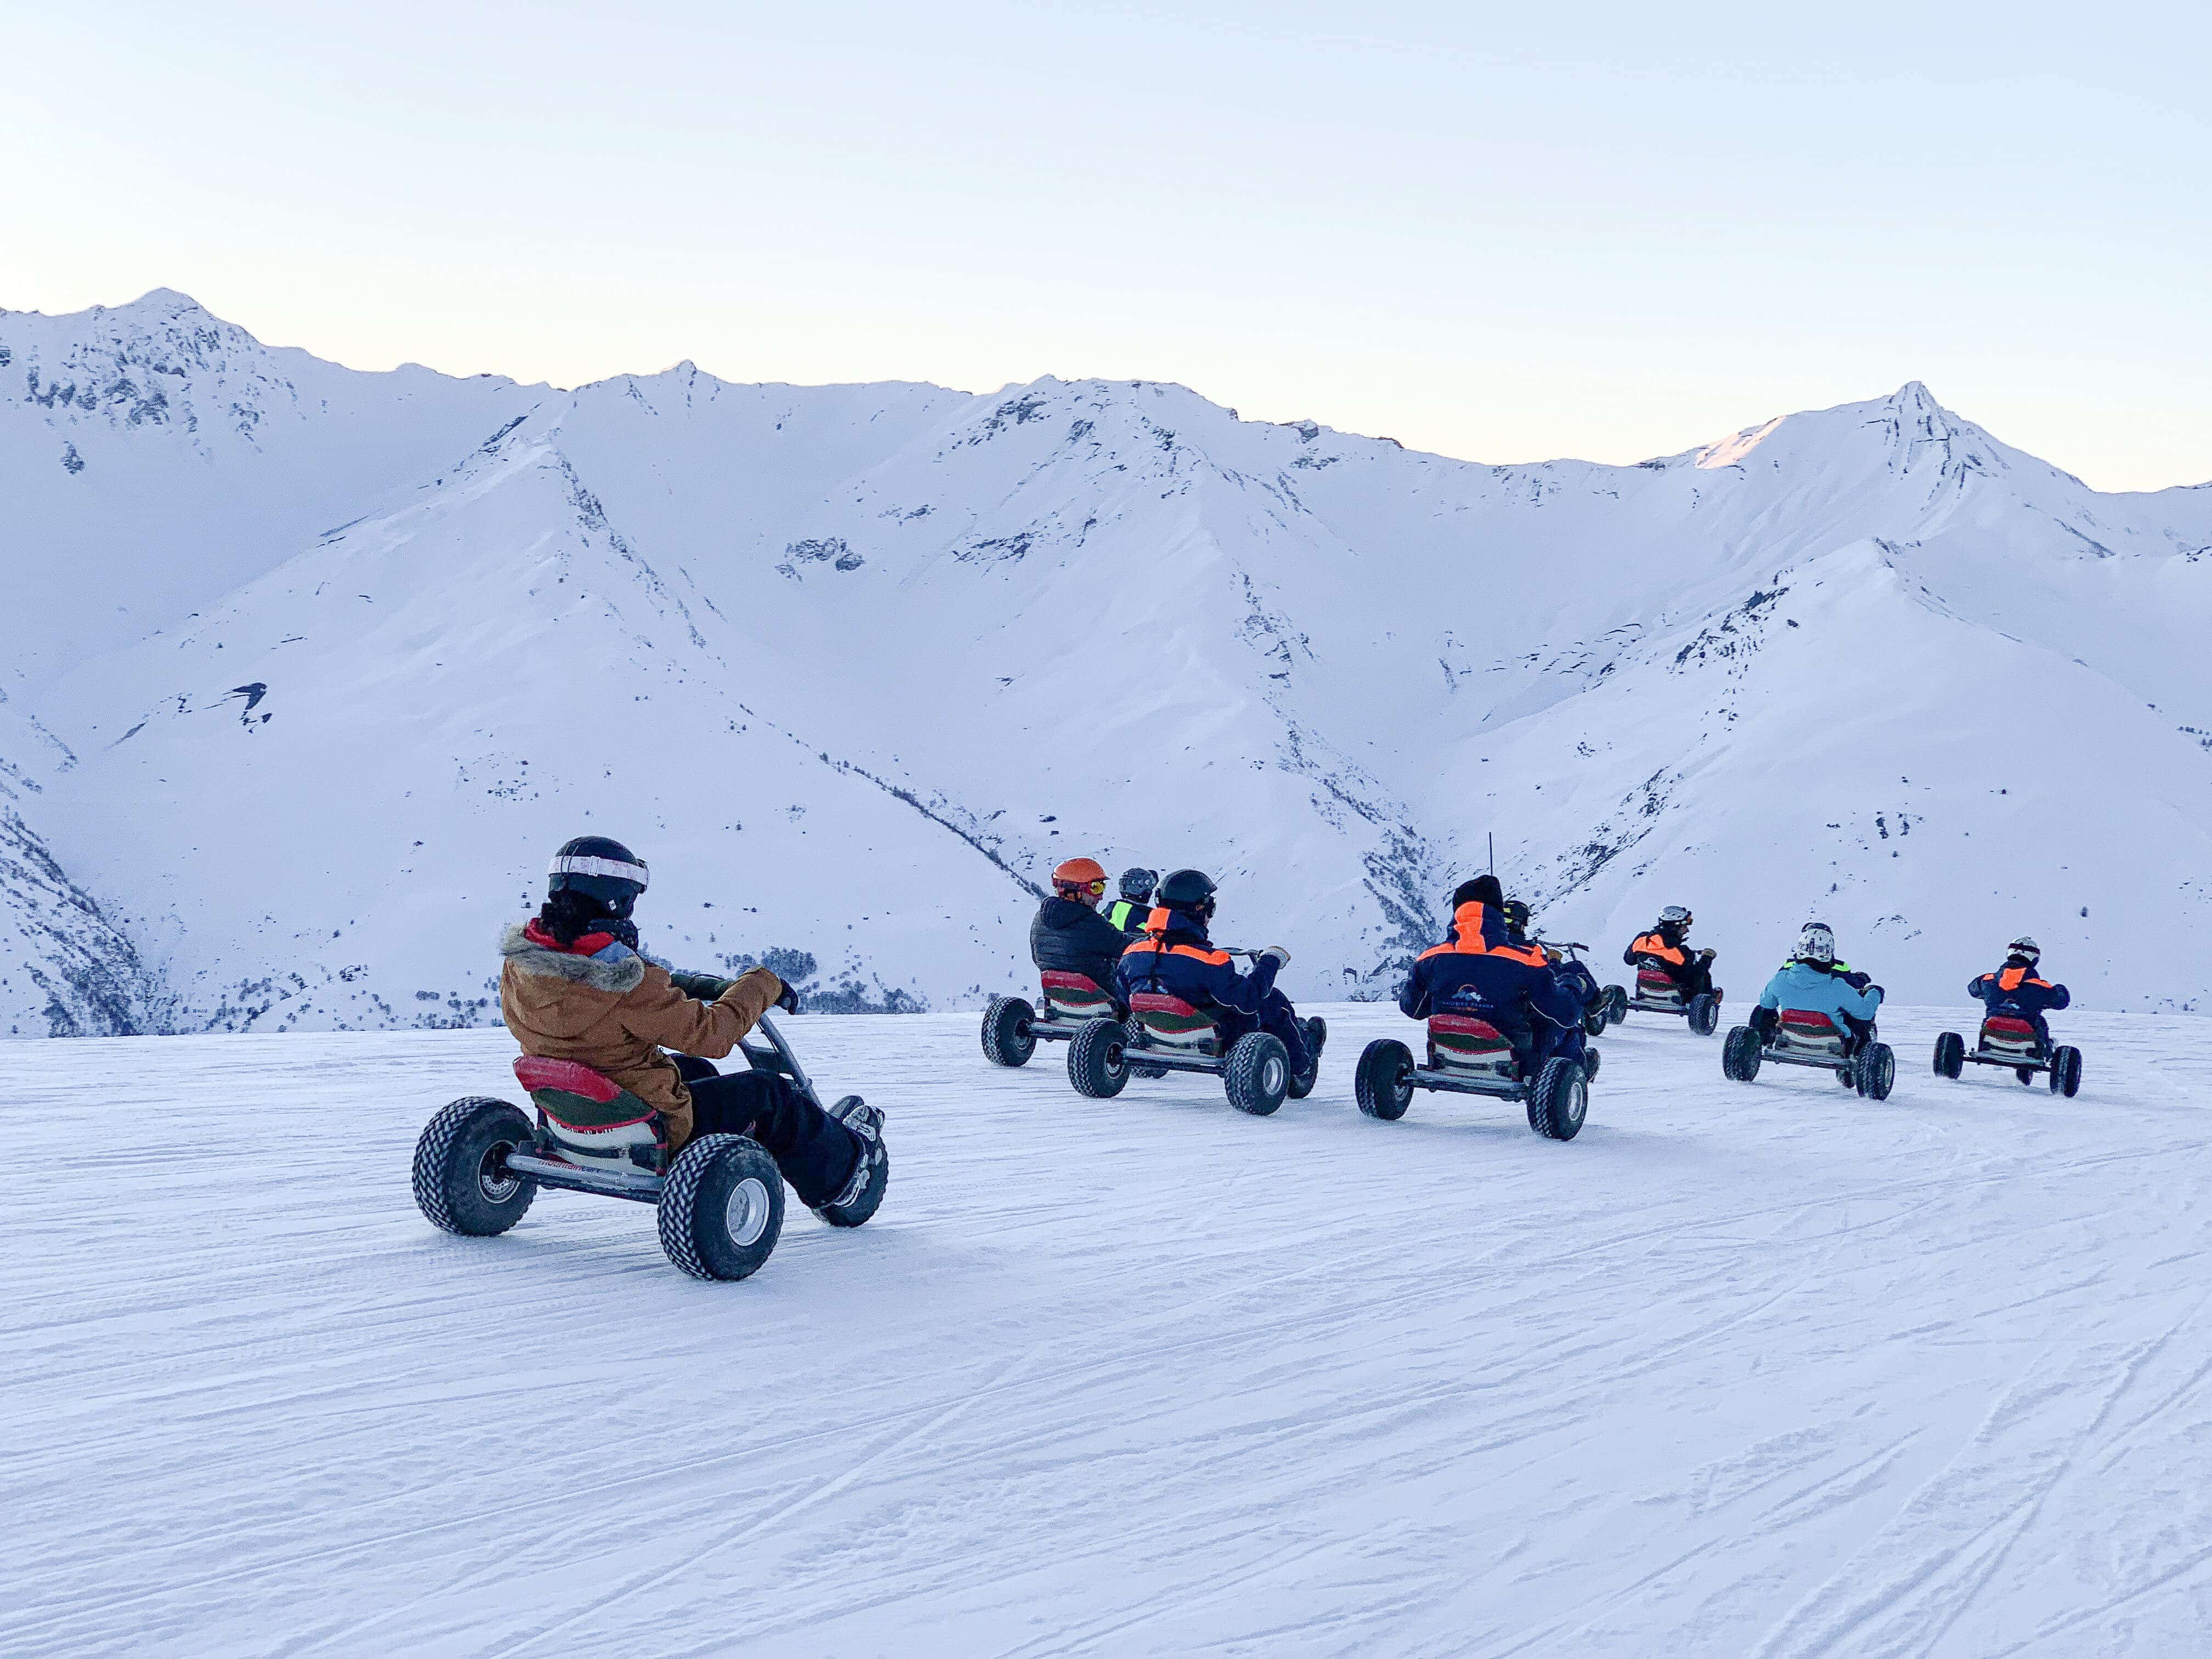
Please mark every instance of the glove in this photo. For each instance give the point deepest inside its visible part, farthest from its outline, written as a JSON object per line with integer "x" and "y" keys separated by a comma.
{"x": 786, "y": 997}
{"x": 1276, "y": 954}
{"x": 1705, "y": 955}
{"x": 705, "y": 987}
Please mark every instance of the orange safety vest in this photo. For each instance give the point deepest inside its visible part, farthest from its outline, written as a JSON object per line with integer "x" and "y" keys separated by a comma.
{"x": 2010, "y": 979}
{"x": 1651, "y": 944}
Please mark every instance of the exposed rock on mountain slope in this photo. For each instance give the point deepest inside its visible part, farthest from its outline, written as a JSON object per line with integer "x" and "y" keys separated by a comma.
{"x": 855, "y": 665}
{"x": 66, "y": 970}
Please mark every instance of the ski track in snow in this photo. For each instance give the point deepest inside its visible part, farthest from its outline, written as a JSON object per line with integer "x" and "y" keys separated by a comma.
{"x": 1764, "y": 1370}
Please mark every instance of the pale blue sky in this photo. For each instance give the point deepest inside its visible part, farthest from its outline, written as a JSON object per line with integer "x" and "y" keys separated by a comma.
{"x": 1503, "y": 233}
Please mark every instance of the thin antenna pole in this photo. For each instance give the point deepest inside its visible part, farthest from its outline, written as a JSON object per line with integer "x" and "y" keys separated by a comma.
{"x": 1491, "y": 835}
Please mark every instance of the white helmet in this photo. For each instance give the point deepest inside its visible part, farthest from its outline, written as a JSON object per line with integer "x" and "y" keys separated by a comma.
{"x": 2024, "y": 947}
{"x": 1816, "y": 944}
{"x": 1674, "y": 915}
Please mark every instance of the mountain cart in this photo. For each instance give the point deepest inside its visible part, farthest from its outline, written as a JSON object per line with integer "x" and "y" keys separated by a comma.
{"x": 1012, "y": 1026}
{"x": 2009, "y": 1042}
{"x": 1468, "y": 1055}
{"x": 1801, "y": 1036}
{"x": 1165, "y": 1034}
{"x": 719, "y": 1201}
{"x": 1656, "y": 994}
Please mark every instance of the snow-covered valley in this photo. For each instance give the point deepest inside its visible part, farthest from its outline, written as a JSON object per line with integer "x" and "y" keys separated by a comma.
{"x": 1765, "y": 1370}
{"x": 317, "y": 665}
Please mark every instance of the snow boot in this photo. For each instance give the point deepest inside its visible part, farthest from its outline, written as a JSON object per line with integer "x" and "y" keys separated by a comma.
{"x": 864, "y": 1192}
{"x": 1315, "y": 1032}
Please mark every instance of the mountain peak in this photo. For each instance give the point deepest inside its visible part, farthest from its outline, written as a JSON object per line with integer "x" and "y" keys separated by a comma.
{"x": 162, "y": 301}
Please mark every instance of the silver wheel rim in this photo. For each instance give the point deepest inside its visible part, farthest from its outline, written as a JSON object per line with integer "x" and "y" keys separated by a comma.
{"x": 1273, "y": 1075}
{"x": 746, "y": 1215}
{"x": 494, "y": 1179}
{"x": 1577, "y": 1103}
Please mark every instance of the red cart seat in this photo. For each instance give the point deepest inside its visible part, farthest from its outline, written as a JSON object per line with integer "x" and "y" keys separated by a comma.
{"x": 591, "y": 1117}
{"x": 1652, "y": 985}
{"x": 1468, "y": 1043}
{"x": 1172, "y": 1021}
{"x": 1076, "y": 996}
{"x": 2008, "y": 1034}
{"x": 1809, "y": 1029}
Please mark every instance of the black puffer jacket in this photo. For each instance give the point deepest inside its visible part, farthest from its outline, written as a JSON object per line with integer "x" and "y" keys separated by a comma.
{"x": 1075, "y": 938}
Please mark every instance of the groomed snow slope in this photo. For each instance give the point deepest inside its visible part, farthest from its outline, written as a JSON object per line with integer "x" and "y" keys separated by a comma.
{"x": 1764, "y": 1371}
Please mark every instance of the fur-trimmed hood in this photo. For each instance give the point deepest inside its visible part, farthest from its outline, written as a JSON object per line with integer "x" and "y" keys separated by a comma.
{"x": 616, "y": 969}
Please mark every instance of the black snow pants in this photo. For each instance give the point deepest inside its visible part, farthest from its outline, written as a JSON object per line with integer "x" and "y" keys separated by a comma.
{"x": 812, "y": 1150}
{"x": 1276, "y": 1017}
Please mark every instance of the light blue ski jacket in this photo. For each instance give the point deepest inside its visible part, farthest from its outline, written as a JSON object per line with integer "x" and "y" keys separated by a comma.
{"x": 1801, "y": 985}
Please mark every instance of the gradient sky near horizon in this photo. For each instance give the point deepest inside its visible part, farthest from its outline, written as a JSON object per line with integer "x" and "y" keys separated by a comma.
{"x": 1502, "y": 233}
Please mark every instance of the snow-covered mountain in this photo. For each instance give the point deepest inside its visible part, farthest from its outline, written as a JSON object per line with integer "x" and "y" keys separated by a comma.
{"x": 855, "y": 665}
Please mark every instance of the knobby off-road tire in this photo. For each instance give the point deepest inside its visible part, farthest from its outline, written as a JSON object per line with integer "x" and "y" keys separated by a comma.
{"x": 722, "y": 1210}
{"x": 2065, "y": 1072}
{"x": 1098, "y": 1058}
{"x": 1704, "y": 1013}
{"x": 1007, "y": 1037}
{"x": 1876, "y": 1071}
{"x": 461, "y": 1179}
{"x": 1257, "y": 1075}
{"x": 1558, "y": 1103}
{"x": 1950, "y": 1055}
{"x": 1740, "y": 1054}
{"x": 1382, "y": 1083}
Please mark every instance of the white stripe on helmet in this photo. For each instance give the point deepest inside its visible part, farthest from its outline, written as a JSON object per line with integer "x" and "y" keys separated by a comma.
{"x": 576, "y": 866}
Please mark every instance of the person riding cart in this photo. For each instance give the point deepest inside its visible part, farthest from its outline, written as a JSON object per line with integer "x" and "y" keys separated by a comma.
{"x": 1068, "y": 935}
{"x": 1665, "y": 948}
{"x": 575, "y": 987}
{"x": 1813, "y": 982}
{"x": 1174, "y": 956}
{"x": 2015, "y": 989}
{"x": 1487, "y": 968}
{"x": 1129, "y": 911}
{"x": 1571, "y": 972}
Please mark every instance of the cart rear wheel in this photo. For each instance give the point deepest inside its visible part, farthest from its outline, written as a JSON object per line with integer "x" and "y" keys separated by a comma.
{"x": 462, "y": 1183}
{"x": 1740, "y": 1054}
{"x": 1098, "y": 1058}
{"x": 1383, "y": 1084}
{"x": 1877, "y": 1071}
{"x": 2066, "y": 1071}
{"x": 1008, "y": 1037}
{"x": 1558, "y": 1103}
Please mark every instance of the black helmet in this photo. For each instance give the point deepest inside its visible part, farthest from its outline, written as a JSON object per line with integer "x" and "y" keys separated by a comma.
{"x": 1483, "y": 889}
{"x": 603, "y": 871}
{"x": 1137, "y": 884}
{"x": 1514, "y": 914}
{"x": 1186, "y": 889}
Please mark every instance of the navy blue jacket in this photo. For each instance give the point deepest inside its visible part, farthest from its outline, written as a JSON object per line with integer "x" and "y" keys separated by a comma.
{"x": 1180, "y": 960}
{"x": 1480, "y": 970}
{"x": 2015, "y": 990}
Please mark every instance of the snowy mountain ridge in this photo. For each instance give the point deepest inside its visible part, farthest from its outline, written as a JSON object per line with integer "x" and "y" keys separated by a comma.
{"x": 855, "y": 665}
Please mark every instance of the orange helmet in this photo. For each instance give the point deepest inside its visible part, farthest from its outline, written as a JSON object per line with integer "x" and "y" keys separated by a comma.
{"x": 1080, "y": 875}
